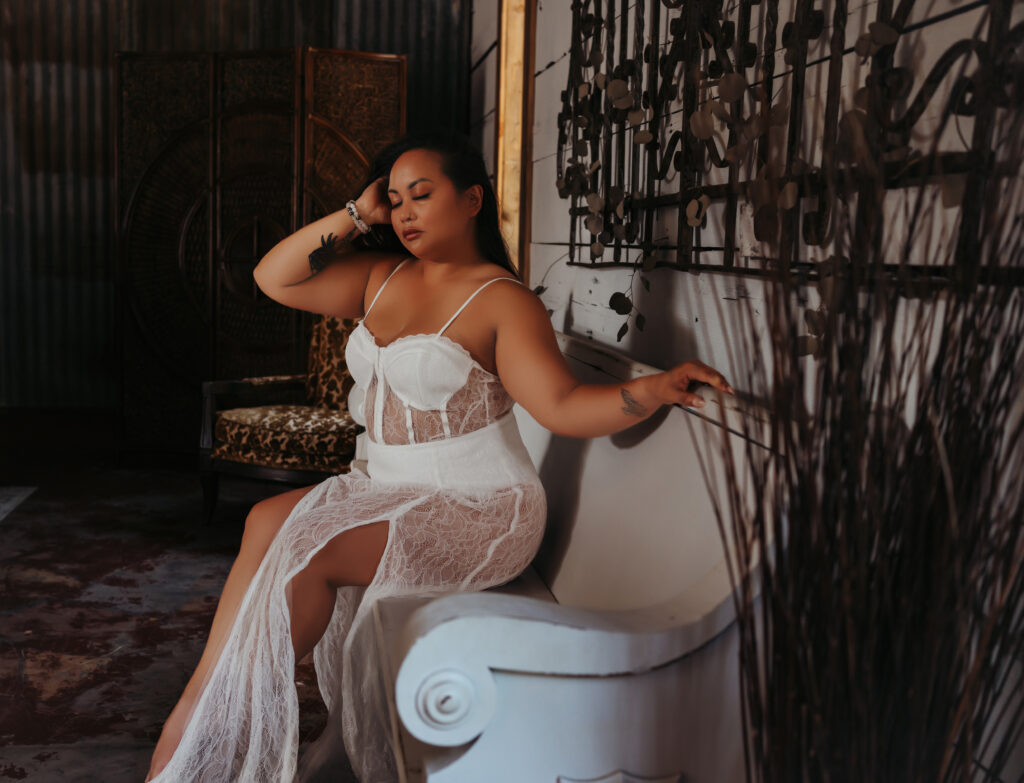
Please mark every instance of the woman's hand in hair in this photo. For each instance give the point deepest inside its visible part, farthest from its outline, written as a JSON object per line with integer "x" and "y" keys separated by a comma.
{"x": 373, "y": 204}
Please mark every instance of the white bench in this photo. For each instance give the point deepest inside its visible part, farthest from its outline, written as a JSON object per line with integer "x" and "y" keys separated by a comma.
{"x": 614, "y": 657}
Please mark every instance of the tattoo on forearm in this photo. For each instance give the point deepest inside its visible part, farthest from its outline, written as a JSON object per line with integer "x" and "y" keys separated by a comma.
{"x": 632, "y": 407}
{"x": 329, "y": 250}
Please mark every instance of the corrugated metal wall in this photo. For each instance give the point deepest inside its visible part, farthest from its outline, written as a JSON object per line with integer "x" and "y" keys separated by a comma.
{"x": 57, "y": 215}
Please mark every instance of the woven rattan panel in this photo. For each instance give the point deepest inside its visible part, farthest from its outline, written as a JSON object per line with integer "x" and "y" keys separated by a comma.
{"x": 220, "y": 156}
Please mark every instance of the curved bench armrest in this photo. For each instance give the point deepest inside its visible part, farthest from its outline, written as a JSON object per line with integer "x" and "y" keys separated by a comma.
{"x": 447, "y": 649}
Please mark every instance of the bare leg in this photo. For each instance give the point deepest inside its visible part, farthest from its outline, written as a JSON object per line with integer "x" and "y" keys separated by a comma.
{"x": 261, "y": 525}
{"x": 349, "y": 558}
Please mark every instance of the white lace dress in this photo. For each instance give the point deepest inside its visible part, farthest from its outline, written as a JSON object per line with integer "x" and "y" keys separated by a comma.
{"x": 447, "y": 468}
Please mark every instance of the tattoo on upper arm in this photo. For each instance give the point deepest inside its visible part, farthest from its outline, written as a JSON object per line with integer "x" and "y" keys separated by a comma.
{"x": 632, "y": 407}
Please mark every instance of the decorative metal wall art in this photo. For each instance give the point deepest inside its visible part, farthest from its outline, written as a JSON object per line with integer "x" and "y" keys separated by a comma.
{"x": 670, "y": 83}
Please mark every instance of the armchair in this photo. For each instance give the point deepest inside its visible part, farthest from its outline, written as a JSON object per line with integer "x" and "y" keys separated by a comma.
{"x": 305, "y": 440}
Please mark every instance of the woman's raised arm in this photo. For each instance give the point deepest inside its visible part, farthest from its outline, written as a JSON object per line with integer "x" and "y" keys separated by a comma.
{"x": 336, "y": 283}
{"x": 535, "y": 373}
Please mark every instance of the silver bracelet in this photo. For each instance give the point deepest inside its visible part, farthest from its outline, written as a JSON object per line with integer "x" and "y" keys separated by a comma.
{"x": 360, "y": 223}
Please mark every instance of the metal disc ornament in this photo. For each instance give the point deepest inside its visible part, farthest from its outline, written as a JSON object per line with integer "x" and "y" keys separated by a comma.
{"x": 618, "y": 88}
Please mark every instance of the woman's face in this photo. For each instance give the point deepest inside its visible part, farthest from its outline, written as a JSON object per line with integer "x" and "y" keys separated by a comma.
{"x": 423, "y": 198}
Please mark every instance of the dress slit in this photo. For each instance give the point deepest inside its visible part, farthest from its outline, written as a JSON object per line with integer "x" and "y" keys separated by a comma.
{"x": 247, "y": 735}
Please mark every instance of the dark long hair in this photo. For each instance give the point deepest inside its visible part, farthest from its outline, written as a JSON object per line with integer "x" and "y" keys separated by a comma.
{"x": 463, "y": 164}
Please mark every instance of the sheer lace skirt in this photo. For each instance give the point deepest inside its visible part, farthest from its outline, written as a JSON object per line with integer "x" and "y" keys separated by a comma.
{"x": 465, "y": 514}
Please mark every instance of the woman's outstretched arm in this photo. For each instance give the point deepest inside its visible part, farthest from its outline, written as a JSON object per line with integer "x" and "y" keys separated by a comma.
{"x": 535, "y": 373}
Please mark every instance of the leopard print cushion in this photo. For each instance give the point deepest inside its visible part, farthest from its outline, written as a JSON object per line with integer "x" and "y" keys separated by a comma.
{"x": 278, "y": 459}
{"x": 287, "y": 436}
{"x": 328, "y": 381}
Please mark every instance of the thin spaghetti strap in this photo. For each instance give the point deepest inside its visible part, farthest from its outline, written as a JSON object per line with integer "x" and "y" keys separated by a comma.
{"x": 368, "y": 309}
{"x": 477, "y": 291}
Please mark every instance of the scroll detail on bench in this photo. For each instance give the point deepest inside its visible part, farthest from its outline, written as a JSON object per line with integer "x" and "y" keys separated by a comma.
{"x": 614, "y": 655}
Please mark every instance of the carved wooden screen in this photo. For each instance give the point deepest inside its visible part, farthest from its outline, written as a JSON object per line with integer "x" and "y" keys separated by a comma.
{"x": 219, "y": 156}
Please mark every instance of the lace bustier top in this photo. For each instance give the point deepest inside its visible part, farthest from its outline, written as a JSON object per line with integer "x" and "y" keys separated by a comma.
{"x": 421, "y": 387}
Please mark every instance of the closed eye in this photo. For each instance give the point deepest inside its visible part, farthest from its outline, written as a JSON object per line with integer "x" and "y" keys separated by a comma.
{"x": 414, "y": 198}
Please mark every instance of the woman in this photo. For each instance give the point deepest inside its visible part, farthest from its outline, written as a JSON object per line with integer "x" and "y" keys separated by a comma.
{"x": 450, "y": 501}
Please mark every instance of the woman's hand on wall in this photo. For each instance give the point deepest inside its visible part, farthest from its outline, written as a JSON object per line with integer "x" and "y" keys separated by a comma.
{"x": 676, "y": 384}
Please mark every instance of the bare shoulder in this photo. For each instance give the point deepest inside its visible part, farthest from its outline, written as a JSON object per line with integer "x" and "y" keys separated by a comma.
{"x": 490, "y": 271}
{"x": 515, "y": 299}
{"x": 527, "y": 355}
{"x": 384, "y": 265}
{"x": 512, "y": 304}
{"x": 521, "y": 319}
{"x": 380, "y": 268}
